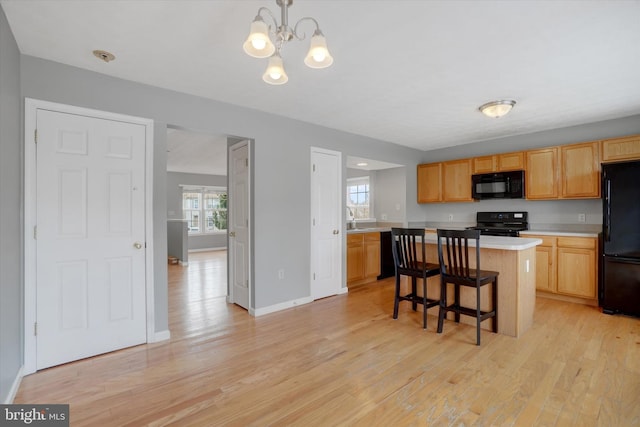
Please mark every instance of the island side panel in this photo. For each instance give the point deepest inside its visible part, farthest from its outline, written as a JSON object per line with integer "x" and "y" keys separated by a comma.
{"x": 526, "y": 289}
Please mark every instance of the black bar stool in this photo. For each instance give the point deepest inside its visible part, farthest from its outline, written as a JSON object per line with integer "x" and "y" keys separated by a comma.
{"x": 405, "y": 244}
{"x": 455, "y": 269}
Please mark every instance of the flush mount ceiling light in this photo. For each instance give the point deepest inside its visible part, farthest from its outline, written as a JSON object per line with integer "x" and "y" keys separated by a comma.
{"x": 266, "y": 41}
{"x": 497, "y": 109}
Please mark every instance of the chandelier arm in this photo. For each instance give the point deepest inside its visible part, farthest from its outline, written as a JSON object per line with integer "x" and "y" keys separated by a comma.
{"x": 273, "y": 18}
{"x": 306, "y": 18}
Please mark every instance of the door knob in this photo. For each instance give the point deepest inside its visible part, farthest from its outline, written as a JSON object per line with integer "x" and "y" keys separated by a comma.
{"x": 137, "y": 245}
{"x": 232, "y": 234}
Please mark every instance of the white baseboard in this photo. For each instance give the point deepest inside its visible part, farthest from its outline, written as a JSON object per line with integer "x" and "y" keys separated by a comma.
{"x": 14, "y": 387}
{"x": 160, "y": 336}
{"x": 222, "y": 248}
{"x": 281, "y": 306}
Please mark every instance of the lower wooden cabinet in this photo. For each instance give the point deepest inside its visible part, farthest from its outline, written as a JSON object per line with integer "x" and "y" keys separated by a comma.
{"x": 577, "y": 266}
{"x": 546, "y": 264}
{"x": 363, "y": 258}
{"x": 567, "y": 266}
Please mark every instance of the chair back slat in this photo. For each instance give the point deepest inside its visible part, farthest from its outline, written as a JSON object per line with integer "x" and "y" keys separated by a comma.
{"x": 407, "y": 246}
{"x": 455, "y": 245}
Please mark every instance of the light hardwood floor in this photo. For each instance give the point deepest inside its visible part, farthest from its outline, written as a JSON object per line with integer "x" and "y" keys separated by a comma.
{"x": 344, "y": 361}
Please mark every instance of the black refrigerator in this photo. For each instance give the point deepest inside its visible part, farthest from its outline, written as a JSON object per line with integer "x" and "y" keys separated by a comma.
{"x": 620, "y": 278}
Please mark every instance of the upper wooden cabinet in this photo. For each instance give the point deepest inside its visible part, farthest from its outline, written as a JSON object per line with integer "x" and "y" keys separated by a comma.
{"x": 485, "y": 164}
{"x": 499, "y": 163}
{"x": 626, "y": 148}
{"x": 445, "y": 182}
{"x": 511, "y": 161}
{"x": 580, "y": 170}
{"x": 430, "y": 183}
{"x": 456, "y": 181}
{"x": 541, "y": 174}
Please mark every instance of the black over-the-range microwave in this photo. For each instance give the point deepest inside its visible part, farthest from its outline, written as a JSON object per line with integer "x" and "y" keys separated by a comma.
{"x": 501, "y": 185}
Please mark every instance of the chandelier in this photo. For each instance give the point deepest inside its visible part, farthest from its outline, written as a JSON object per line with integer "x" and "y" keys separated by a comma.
{"x": 267, "y": 41}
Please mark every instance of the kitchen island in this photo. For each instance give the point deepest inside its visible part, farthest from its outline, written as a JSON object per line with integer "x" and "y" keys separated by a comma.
{"x": 515, "y": 259}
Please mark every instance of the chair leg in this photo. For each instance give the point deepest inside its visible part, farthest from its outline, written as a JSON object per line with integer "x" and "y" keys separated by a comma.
{"x": 397, "y": 298}
{"x": 443, "y": 304}
{"x": 495, "y": 305}
{"x": 414, "y": 294}
{"x": 424, "y": 303}
{"x": 457, "y": 301}
{"x": 478, "y": 316}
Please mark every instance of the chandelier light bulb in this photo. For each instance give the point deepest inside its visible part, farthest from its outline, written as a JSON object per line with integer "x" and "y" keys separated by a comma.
{"x": 275, "y": 74}
{"x": 258, "y": 44}
{"x": 318, "y": 56}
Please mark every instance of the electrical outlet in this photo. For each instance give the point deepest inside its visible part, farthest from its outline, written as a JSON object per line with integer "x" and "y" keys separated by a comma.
{"x": 384, "y": 217}
{"x": 281, "y": 274}
{"x": 582, "y": 217}
{"x": 450, "y": 217}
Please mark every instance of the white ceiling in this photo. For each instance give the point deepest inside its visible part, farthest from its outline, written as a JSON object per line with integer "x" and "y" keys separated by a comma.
{"x": 411, "y": 72}
{"x": 196, "y": 152}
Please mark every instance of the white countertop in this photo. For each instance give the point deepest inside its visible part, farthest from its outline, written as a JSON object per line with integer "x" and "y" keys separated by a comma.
{"x": 558, "y": 233}
{"x": 497, "y": 242}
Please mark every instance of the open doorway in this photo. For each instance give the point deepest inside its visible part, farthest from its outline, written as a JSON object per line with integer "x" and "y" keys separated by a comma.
{"x": 197, "y": 201}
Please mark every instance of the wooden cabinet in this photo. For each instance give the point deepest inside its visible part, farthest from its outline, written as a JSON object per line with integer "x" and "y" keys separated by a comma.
{"x": 456, "y": 181}
{"x": 445, "y": 182}
{"x": 541, "y": 174}
{"x": 580, "y": 170}
{"x": 485, "y": 164}
{"x": 567, "y": 266}
{"x": 371, "y": 255}
{"x": 625, "y": 148}
{"x": 511, "y": 161}
{"x": 355, "y": 257}
{"x": 363, "y": 258}
{"x": 577, "y": 266}
{"x": 545, "y": 263}
{"x": 430, "y": 183}
{"x": 499, "y": 163}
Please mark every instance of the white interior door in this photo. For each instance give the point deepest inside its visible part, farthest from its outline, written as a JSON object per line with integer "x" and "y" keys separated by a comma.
{"x": 90, "y": 241}
{"x": 239, "y": 236}
{"x": 326, "y": 210}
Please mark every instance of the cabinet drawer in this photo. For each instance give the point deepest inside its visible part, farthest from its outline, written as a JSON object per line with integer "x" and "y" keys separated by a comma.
{"x": 370, "y": 237}
{"x": 577, "y": 242}
{"x": 355, "y": 239}
{"x": 546, "y": 240}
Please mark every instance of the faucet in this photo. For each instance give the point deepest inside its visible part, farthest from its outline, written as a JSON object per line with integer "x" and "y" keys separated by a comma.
{"x": 350, "y": 216}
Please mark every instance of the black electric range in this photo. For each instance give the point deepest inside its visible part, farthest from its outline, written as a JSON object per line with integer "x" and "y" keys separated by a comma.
{"x": 501, "y": 223}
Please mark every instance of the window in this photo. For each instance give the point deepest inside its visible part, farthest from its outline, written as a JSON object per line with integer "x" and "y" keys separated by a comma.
{"x": 205, "y": 209}
{"x": 358, "y": 197}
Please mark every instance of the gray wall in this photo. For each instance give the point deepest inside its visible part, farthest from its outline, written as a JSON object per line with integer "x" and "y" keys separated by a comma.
{"x": 391, "y": 196}
{"x": 11, "y": 295}
{"x": 281, "y": 150}
{"x": 540, "y": 212}
{"x": 174, "y": 204}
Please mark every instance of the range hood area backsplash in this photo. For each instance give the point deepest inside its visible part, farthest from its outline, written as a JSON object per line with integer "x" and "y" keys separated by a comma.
{"x": 543, "y": 212}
